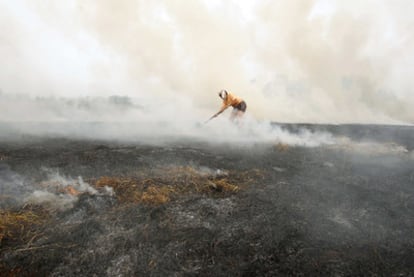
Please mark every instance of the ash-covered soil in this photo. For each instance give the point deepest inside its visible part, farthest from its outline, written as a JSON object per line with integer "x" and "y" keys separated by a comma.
{"x": 99, "y": 208}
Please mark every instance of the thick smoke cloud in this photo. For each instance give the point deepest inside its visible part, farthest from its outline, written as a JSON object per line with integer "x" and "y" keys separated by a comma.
{"x": 297, "y": 61}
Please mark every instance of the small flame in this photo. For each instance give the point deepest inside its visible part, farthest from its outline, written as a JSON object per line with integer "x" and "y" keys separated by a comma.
{"x": 71, "y": 190}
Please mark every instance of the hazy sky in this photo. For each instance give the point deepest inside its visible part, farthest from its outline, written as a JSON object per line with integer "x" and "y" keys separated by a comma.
{"x": 292, "y": 60}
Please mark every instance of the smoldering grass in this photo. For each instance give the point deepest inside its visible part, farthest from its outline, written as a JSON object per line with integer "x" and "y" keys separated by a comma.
{"x": 23, "y": 227}
{"x": 282, "y": 147}
{"x": 59, "y": 193}
{"x": 52, "y": 201}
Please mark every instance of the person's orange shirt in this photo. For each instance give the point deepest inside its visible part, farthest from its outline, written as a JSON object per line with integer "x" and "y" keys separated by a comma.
{"x": 231, "y": 100}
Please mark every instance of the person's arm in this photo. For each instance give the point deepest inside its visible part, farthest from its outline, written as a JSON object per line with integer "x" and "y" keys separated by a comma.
{"x": 223, "y": 108}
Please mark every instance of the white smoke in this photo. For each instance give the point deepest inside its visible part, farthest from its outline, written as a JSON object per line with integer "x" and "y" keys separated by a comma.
{"x": 60, "y": 193}
{"x": 370, "y": 148}
{"x": 250, "y": 131}
{"x": 301, "y": 61}
{"x": 56, "y": 202}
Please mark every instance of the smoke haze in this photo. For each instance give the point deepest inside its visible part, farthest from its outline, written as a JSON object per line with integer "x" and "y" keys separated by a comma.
{"x": 292, "y": 61}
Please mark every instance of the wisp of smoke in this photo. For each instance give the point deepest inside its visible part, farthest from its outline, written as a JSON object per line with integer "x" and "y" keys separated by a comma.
{"x": 56, "y": 193}
{"x": 12, "y": 187}
{"x": 127, "y": 119}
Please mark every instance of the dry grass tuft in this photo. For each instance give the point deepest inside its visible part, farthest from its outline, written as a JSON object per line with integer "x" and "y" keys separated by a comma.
{"x": 126, "y": 189}
{"x": 134, "y": 190}
{"x": 154, "y": 195}
{"x": 223, "y": 185}
{"x": 163, "y": 185}
{"x": 19, "y": 226}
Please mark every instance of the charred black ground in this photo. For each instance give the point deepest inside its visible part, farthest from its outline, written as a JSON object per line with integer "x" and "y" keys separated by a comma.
{"x": 329, "y": 210}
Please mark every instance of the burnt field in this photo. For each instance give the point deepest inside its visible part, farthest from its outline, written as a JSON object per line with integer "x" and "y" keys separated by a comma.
{"x": 84, "y": 207}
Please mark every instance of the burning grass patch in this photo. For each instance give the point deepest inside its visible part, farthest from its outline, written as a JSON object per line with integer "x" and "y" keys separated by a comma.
{"x": 163, "y": 185}
{"x": 282, "y": 147}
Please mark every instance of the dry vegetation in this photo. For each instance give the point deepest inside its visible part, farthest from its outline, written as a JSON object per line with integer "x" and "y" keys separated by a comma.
{"x": 20, "y": 226}
{"x": 164, "y": 185}
{"x": 154, "y": 187}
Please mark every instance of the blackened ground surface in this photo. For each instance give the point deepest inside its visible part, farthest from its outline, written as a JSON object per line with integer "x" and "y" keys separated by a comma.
{"x": 327, "y": 210}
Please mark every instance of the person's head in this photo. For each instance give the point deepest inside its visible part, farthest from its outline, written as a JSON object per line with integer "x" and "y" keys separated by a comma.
{"x": 223, "y": 94}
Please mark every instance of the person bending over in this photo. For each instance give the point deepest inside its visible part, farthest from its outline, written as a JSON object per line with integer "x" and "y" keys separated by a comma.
{"x": 229, "y": 99}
